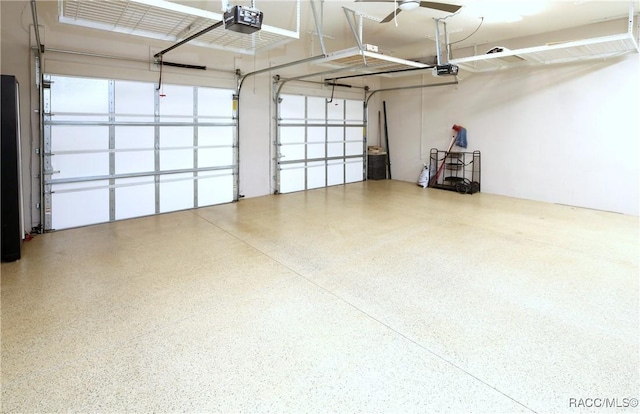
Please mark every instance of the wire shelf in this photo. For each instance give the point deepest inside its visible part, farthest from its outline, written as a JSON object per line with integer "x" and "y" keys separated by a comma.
{"x": 580, "y": 50}
{"x": 164, "y": 20}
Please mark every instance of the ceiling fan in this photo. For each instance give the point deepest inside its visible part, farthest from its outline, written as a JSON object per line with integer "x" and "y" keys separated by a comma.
{"x": 414, "y": 4}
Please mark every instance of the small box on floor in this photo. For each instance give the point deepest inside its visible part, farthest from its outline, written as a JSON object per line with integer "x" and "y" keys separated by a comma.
{"x": 377, "y": 166}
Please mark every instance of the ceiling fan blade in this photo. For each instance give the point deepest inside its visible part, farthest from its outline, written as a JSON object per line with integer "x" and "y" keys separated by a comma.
{"x": 391, "y": 16}
{"x": 450, "y": 8}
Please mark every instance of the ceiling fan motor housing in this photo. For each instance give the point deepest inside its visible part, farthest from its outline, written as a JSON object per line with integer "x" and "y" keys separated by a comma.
{"x": 408, "y": 4}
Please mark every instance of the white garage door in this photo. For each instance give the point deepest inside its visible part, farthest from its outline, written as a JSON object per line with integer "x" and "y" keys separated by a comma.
{"x": 118, "y": 149}
{"x": 320, "y": 142}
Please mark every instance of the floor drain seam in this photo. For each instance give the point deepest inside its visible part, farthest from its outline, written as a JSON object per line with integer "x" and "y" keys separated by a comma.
{"x": 371, "y": 316}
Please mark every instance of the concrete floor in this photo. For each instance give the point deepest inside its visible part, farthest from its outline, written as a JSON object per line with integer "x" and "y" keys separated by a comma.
{"x": 375, "y": 297}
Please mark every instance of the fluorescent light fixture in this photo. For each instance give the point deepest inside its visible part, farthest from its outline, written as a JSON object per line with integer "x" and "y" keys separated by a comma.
{"x": 409, "y": 5}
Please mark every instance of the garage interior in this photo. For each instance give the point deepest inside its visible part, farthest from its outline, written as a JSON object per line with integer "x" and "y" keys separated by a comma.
{"x": 198, "y": 233}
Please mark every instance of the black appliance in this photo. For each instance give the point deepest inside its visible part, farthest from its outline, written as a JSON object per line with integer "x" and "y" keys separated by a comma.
{"x": 243, "y": 20}
{"x": 11, "y": 220}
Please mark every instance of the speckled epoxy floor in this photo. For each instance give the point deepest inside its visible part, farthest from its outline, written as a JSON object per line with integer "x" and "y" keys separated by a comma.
{"x": 374, "y": 297}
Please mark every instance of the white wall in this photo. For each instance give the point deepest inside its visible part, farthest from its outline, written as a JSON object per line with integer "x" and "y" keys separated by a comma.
{"x": 255, "y": 126}
{"x": 564, "y": 134}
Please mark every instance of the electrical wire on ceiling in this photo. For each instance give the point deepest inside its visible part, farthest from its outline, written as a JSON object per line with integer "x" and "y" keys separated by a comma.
{"x": 395, "y": 12}
{"x": 462, "y": 40}
{"x": 474, "y": 32}
{"x": 451, "y": 15}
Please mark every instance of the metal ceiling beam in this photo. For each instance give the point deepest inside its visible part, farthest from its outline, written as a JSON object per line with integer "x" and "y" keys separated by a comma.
{"x": 284, "y": 65}
{"x": 319, "y": 23}
{"x": 356, "y": 35}
{"x": 190, "y": 38}
{"x": 386, "y": 72}
{"x": 400, "y": 88}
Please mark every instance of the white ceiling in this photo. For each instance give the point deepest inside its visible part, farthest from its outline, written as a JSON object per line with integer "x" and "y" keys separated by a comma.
{"x": 412, "y": 34}
{"x": 416, "y": 26}
{"x": 415, "y": 30}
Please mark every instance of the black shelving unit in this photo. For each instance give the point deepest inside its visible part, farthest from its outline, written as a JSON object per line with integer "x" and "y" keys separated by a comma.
{"x": 461, "y": 170}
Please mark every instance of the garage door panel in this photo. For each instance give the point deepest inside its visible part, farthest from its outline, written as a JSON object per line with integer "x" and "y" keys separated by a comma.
{"x": 293, "y": 178}
{"x": 353, "y": 171}
{"x": 215, "y": 189}
{"x": 80, "y": 119}
{"x": 290, "y": 135}
{"x": 81, "y": 95}
{"x": 178, "y": 101}
{"x": 335, "y": 144}
{"x": 354, "y": 111}
{"x": 354, "y": 134}
{"x": 172, "y": 137}
{"x": 316, "y": 175}
{"x": 316, "y": 150}
{"x": 127, "y": 137}
{"x": 329, "y": 138}
{"x": 134, "y": 162}
{"x": 85, "y": 205}
{"x": 316, "y": 108}
{"x": 79, "y": 138}
{"x": 134, "y": 98}
{"x": 176, "y": 137}
{"x": 134, "y": 149}
{"x": 222, "y": 135}
{"x": 176, "y": 192}
{"x": 215, "y": 157}
{"x": 292, "y": 108}
{"x": 335, "y": 150}
{"x": 135, "y": 197}
{"x": 335, "y": 134}
{"x": 215, "y": 103}
{"x": 335, "y": 110}
{"x": 335, "y": 173}
{"x": 316, "y": 134}
{"x": 176, "y": 159}
{"x": 106, "y": 134}
{"x": 292, "y": 152}
{"x": 80, "y": 165}
{"x": 353, "y": 148}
